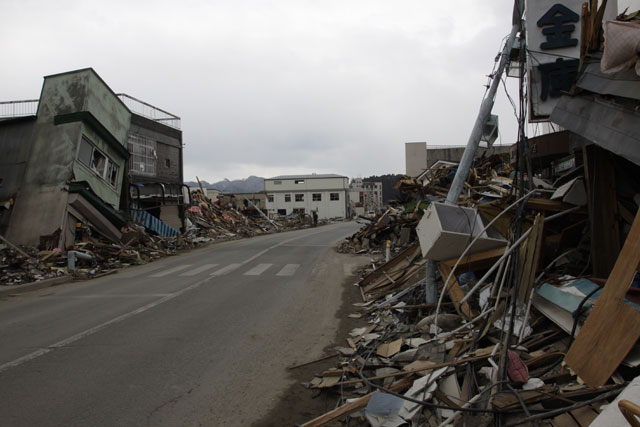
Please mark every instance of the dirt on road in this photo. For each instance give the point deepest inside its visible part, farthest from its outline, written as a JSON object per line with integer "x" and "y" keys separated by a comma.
{"x": 299, "y": 404}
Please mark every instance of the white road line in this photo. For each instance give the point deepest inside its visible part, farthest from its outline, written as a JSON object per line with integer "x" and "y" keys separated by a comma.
{"x": 171, "y": 270}
{"x": 199, "y": 270}
{"x": 91, "y": 331}
{"x": 308, "y": 246}
{"x": 348, "y": 269}
{"x": 107, "y": 296}
{"x": 137, "y": 271}
{"x": 226, "y": 270}
{"x": 288, "y": 270}
{"x": 258, "y": 270}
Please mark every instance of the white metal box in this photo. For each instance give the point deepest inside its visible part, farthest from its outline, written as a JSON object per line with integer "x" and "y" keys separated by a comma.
{"x": 446, "y": 230}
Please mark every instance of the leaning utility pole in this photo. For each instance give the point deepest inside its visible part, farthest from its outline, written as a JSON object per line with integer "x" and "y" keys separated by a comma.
{"x": 474, "y": 141}
{"x": 485, "y": 111}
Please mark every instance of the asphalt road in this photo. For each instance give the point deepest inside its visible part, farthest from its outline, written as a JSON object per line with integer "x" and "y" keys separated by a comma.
{"x": 202, "y": 338}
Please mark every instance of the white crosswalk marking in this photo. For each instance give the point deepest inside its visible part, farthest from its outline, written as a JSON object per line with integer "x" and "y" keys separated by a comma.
{"x": 225, "y": 270}
{"x": 288, "y": 270}
{"x": 138, "y": 271}
{"x": 199, "y": 270}
{"x": 171, "y": 270}
{"x": 258, "y": 270}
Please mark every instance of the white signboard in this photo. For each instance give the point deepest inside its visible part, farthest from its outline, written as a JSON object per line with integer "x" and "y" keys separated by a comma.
{"x": 553, "y": 43}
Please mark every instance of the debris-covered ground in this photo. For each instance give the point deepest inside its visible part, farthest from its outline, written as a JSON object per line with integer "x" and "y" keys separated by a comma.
{"x": 94, "y": 254}
{"x": 523, "y": 327}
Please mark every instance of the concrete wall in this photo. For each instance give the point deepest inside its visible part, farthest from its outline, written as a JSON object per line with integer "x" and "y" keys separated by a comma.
{"x": 453, "y": 154}
{"x": 415, "y": 154}
{"x": 419, "y": 156}
{"x": 71, "y": 104}
{"x": 15, "y": 144}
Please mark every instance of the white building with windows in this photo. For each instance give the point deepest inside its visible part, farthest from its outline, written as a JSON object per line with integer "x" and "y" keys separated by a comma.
{"x": 304, "y": 194}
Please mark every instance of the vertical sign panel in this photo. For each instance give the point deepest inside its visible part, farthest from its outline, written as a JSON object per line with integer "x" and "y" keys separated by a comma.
{"x": 553, "y": 44}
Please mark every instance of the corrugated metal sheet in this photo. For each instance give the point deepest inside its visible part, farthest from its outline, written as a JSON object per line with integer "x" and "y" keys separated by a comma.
{"x": 608, "y": 125}
{"x": 625, "y": 83}
{"x": 149, "y": 221}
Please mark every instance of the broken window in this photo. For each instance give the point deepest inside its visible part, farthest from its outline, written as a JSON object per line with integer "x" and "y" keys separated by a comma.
{"x": 317, "y": 197}
{"x": 270, "y": 198}
{"x": 143, "y": 155}
{"x": 98, "y": 162}
{"x": 299, "y": 197}
{"x": 112, "y": 174}
{"x": 335, "y": 196}
{"x": 299, "y": 181}
{"x": 287, "y": 197}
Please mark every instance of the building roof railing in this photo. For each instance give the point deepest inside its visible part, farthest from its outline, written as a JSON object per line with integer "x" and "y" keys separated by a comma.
{"x": 26, "y": 107}
{"x": 149, "y": 111}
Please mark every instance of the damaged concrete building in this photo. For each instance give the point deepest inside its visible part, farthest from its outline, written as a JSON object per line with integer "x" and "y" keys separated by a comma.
{"x": 66, "y": 159}
{"x": 420, "y": 156}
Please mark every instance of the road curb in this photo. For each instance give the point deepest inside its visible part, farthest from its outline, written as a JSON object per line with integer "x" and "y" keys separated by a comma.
{"x": 34, "y": 286}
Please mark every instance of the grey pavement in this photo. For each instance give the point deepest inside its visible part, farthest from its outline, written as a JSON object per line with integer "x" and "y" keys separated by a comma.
{"x": 201, "y": 338}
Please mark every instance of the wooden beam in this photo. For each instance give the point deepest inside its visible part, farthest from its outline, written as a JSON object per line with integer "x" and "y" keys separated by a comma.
{"x": 613, "y": 327}
{"x": 530, "y": 258}
{"x": 477, "y": 261}
{"x": 413, "y": 371}
{"x": 350, "y": 407}
{"x": 456, "y": 294}
{"x": 404, "y": 256}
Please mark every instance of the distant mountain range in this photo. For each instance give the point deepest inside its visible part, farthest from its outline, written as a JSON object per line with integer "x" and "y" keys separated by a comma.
{"x": 253, "y": 184}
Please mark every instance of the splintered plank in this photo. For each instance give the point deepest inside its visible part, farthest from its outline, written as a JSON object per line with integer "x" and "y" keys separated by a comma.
{"x": 613, "y": 327}
{"x": 477, "y": 261}
{"x": 529, "y": 258}
{"x": 456, "y": 293}
{"x": 355, "y": 405}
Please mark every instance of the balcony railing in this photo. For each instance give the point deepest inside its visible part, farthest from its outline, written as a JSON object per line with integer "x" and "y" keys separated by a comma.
{"x": 27, "y": 107}
{"x": 149, "y": 111}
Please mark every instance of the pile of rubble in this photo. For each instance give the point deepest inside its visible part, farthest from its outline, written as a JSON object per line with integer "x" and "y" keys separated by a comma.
{"x": 93, "y": 254}
{"x": 215, "y": 221}
{"x": 18, "y": 266}
{"x": 511, "y": 307}
{"x": 394, "y": 226}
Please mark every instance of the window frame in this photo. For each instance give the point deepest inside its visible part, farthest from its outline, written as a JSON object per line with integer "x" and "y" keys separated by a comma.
{"x": 316, "y": 197}
{"x": 143, "y": 153}
{"x": 299, "y": 197}
{"x": 334, "y": 197}
{"x": 103, "y": 166}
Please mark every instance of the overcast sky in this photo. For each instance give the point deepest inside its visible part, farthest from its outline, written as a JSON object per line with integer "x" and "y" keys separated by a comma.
{"x": 277, "y": 87}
